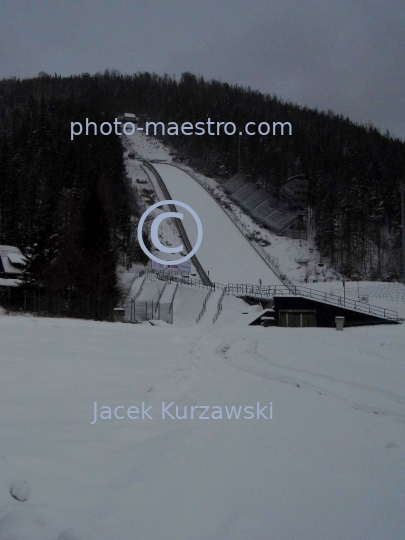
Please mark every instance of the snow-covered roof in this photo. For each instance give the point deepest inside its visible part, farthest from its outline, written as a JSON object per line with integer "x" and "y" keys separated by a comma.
{"x": 11, "y": 260}
{"x": 17, "y": 258}
{"x": 4, "y": 282}
{"x": 4, "y": 250}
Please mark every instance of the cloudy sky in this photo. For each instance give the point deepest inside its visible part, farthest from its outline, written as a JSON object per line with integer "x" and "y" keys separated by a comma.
{"x": 344, "y": 55}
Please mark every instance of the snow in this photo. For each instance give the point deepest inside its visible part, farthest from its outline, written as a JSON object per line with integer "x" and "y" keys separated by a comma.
{"x": 151, "y": 290}
{"x": 328, "y": 465}
{"x": 9, "y": 256}
{"x": 4, "y": 282}
{"x": 224, "y": 252}
{"x": 17, "y": 258}
{"x": 187, "y": 305}
{"x": 285, "y": 251}
{"x": 20, "y": 490}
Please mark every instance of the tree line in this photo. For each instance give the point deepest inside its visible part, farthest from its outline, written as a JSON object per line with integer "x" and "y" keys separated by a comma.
{"x": 70, "y": 205}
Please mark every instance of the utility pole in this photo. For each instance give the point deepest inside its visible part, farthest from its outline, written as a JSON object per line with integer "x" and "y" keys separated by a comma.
{"x": 402, "y": 189}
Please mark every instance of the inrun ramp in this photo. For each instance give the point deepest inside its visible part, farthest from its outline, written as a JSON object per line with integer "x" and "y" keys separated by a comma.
{"x": 225, "y": 252}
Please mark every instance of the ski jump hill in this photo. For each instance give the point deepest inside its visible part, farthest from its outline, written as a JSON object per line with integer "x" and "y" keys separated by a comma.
{"x": 225, "y": 253}
{"x": 227, "y": 257}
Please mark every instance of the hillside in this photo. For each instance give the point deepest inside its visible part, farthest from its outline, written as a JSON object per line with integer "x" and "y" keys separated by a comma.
{"x": 354, "y": 171}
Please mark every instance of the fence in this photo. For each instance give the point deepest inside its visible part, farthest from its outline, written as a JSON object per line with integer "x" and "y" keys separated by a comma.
{"x": 149, "y": 310}
{"x": 339, "y": 301}
{"x": 59, "y": 305}
{"x": 171, "y": 303}
{"x": 196, "y": 283}
{"x": 391, "y": 291}
{"x": 256, "y": 290}
{"x": 281, "y": 290}
{"x": 271, "y": 290}
{"x": 204, "y": 307}
{"x": 219, "y": 308}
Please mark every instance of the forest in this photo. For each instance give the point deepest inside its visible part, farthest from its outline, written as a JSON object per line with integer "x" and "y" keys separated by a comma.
{"x": 71, "y": 209}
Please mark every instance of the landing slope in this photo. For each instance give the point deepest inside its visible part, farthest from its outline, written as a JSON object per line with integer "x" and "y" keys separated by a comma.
{"x": 224, "y": 251}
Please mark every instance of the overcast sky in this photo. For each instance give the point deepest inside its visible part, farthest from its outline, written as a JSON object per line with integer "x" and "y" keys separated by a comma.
{"x": 344, "y": 55}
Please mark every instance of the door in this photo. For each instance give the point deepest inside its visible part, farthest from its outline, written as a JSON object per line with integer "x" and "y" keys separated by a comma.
{"x": 308, "y": 319}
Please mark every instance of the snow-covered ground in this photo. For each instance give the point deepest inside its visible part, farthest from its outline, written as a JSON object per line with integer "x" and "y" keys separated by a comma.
{"x": 328, "y": 465}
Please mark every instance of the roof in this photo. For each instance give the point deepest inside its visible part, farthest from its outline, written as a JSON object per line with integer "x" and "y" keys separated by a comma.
{"x": 296, "y": 178}
{"x": 17, "y": 259}
{"x": 9, "y": 282}
{"x": 4, "y": 250}
{"x": 253, "y": 318}
{"x": 12, "y": 261}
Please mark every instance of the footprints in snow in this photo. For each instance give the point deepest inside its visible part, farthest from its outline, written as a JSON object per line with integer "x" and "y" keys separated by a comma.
{"x": 20, "y": 490}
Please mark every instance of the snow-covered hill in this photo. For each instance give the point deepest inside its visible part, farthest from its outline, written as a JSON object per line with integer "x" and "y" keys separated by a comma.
{"x": 288, "y": 253}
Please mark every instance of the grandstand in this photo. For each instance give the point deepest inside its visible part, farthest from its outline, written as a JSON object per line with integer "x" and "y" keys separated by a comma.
{"x": 256, "y": 199}
{"x": 235, "y": 183}
{"x": 279, "y": 220}
{"x": 264, "y": 209}
{"x": 261, "y": 206}
{"x": 244, "y": 192}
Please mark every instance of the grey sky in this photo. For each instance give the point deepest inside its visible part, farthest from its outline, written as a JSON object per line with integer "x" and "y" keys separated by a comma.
{"x": 344, "y": 55}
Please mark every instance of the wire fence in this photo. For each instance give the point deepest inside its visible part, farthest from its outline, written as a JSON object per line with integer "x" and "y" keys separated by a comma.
{"x": 38, "y": 303}
{"x": 391, "y": 291}
{"x": 149, "y": 310}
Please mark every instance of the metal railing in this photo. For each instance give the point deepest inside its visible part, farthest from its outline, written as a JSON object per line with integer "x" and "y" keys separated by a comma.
{"x": 282, "y": 290}
{"x": 219, "y": 308}
{"x": 256, "y": 290}
{"x": 160, "y": 295}
{"x": 171, "y": 303}
{"x": 128, "y": 288}
{"x": 204, "y": 306}
{"x": 141, "y": 287}
{"x": 347, "y": 303}
{"x": 196, "y": 283}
